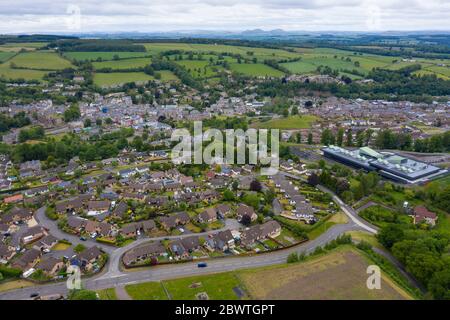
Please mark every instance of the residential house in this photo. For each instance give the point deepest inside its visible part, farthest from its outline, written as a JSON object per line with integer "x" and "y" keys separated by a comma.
{"x": 50, "y": 266}
{"x": 6, "y": 253}
{"x": 28, "y": 260}
{"x": 207, "y": 216}
{"x": 244, "y": 210}
{"x": 223, "y": 210}
{"x": 143, "y": 253}
{"x": 422, "y": 214}
{"x": 89, "y": 257}
{"x": 33, "y": 234}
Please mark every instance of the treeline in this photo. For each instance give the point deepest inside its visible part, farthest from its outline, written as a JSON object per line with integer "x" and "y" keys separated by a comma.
{"x": 71, "y": 145}
{"x": 274, "y": 64}
{"x": 96, "y": 45}
{"x": 387, "y": 139}
{"x": 398, "y": 85}
{"x": 16, "y": 121}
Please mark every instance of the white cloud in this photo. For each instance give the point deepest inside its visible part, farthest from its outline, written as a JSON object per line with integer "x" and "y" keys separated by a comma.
{"x": 32, "y": 16}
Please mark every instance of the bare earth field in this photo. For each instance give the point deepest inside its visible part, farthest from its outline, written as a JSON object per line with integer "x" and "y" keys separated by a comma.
{"x": 338, "y": 275}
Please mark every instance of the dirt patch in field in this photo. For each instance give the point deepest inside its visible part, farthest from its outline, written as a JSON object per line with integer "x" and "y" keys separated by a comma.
{"x": 338, "y": 275}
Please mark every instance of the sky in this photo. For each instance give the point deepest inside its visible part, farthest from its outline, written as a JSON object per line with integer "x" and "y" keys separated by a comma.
{"x": 87, "y": 16}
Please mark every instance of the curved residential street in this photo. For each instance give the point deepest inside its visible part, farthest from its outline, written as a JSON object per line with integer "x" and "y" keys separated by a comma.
{"x": 113, "y": 276}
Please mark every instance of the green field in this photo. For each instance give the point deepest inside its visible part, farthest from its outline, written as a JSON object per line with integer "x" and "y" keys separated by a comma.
{"x": 8, "y": 73}
{"x": 146, "y": 291}
{"x": 122, "y": 64}
{"x": 92, "y": 56}
{"x": 40, "y": 61}
{"x": 16, "y": 47}
{"x": 256, "y": 70}
{"x": 5, "y": 55}
{"x": 107, "y": 294}
{"x": 292, "y": 122}
{"x": 119, "y": 78}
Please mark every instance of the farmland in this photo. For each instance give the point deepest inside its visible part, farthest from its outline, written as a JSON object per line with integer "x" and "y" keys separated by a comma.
{"x": 5, "y": 55}
{"x": 104, "y": 56}
{"x": 122, "y": 64}
{"x": 40, "y": 61}
{"x": 292, "y": 122}
{"x": 118, "y": 78}
{"x": 9, "y": 73}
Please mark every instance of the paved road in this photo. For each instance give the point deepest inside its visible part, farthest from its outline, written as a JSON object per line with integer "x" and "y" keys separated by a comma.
{"x": 114, "y": 277}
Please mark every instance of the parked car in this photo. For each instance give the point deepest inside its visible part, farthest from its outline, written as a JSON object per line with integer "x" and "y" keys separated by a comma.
{"x": 202, "y": 265}
{"x": 34, "y": 295}
{"x": 82, "y": 238}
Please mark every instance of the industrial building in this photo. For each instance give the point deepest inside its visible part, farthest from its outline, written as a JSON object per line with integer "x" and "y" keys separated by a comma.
{"x": 388, "y": 165}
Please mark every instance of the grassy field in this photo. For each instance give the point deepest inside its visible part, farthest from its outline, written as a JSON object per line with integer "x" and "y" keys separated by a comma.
{"x": 9, "y": 73}
{"x": 122, "y": 64}
{"x": 146, "y": 291}
{"x": 292, "y": 122}
{"x": 256, "y": 70}
{"x": 340, "y": 274}
{"x": 218, "y": 286}
{"x": 107, "y": 294}
{"x": 119, "y": 78}
{"x": 16, "y": 47}
{"x": 92, "y": 56}
{"x": 4, "y": 55}
{"x": 41, "y": 61}
{"x": 15, "y": 284}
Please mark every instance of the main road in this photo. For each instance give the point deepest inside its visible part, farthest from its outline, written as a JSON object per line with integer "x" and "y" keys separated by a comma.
{"x": 114, "y": 277}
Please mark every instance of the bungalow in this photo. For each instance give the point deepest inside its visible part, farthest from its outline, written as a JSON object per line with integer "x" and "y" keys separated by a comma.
{"x": 422, "y": 214}
{"x": 69, "y": 206}
{"x": 17, "y": 215}
{"x": 6, "y": 253}
{"x": 269, "y": 229}
{"x": 223, "y": 240}
{"x": 50, "y": 266}
{"x": 143, "y": 252}
{"x": 98, "y": 207}
{"x": 133, "y": 196}
{"x": 132, "y": 229}
{"x": 277, "y": 208}
{"x": 4, "y": 228}
{"x": 77, "y": 224}
{"x": 120, "y": 210}
{"x": 177, "y": 249}
{"x": 244, "y": 210}
{"x": 13, "y": 199}
{"x": 223, "y": 210}
{"x": 89, "y": 257}
{"x": 191, "y": 243}
{"x": 126, "y": 173}
{"x": 33, "y": 234}
{"x": 218, "y": 183}
{"x": 36, "y": 191}
{"x": 207, "y": 216}
{"x": 28, "y": 260}
{"x": 173, "y": 221}
{"x": 46, "y": 243}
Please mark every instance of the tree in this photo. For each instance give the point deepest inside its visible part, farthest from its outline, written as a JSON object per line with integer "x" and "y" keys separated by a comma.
{"x": 292, "y": 257}
{"x": 246, "y": 220}
{"x": 349, "y": 138}
{"x": 87, "y": 123}
{"x": 228, "y": 195}
{"x": 310, "y": 138}
{"x": 390, "y": 234}
{"x": 251, "y": 199}
{"x": 313, "y": 180}
{"x": 439, "y": 284}
{"x": 255, "y": 185}
{"x": 340, "y": 137}
{"x": 82, "y": 294}
{"x": 299, "y": 137}
{"x": 72, "y": 113}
